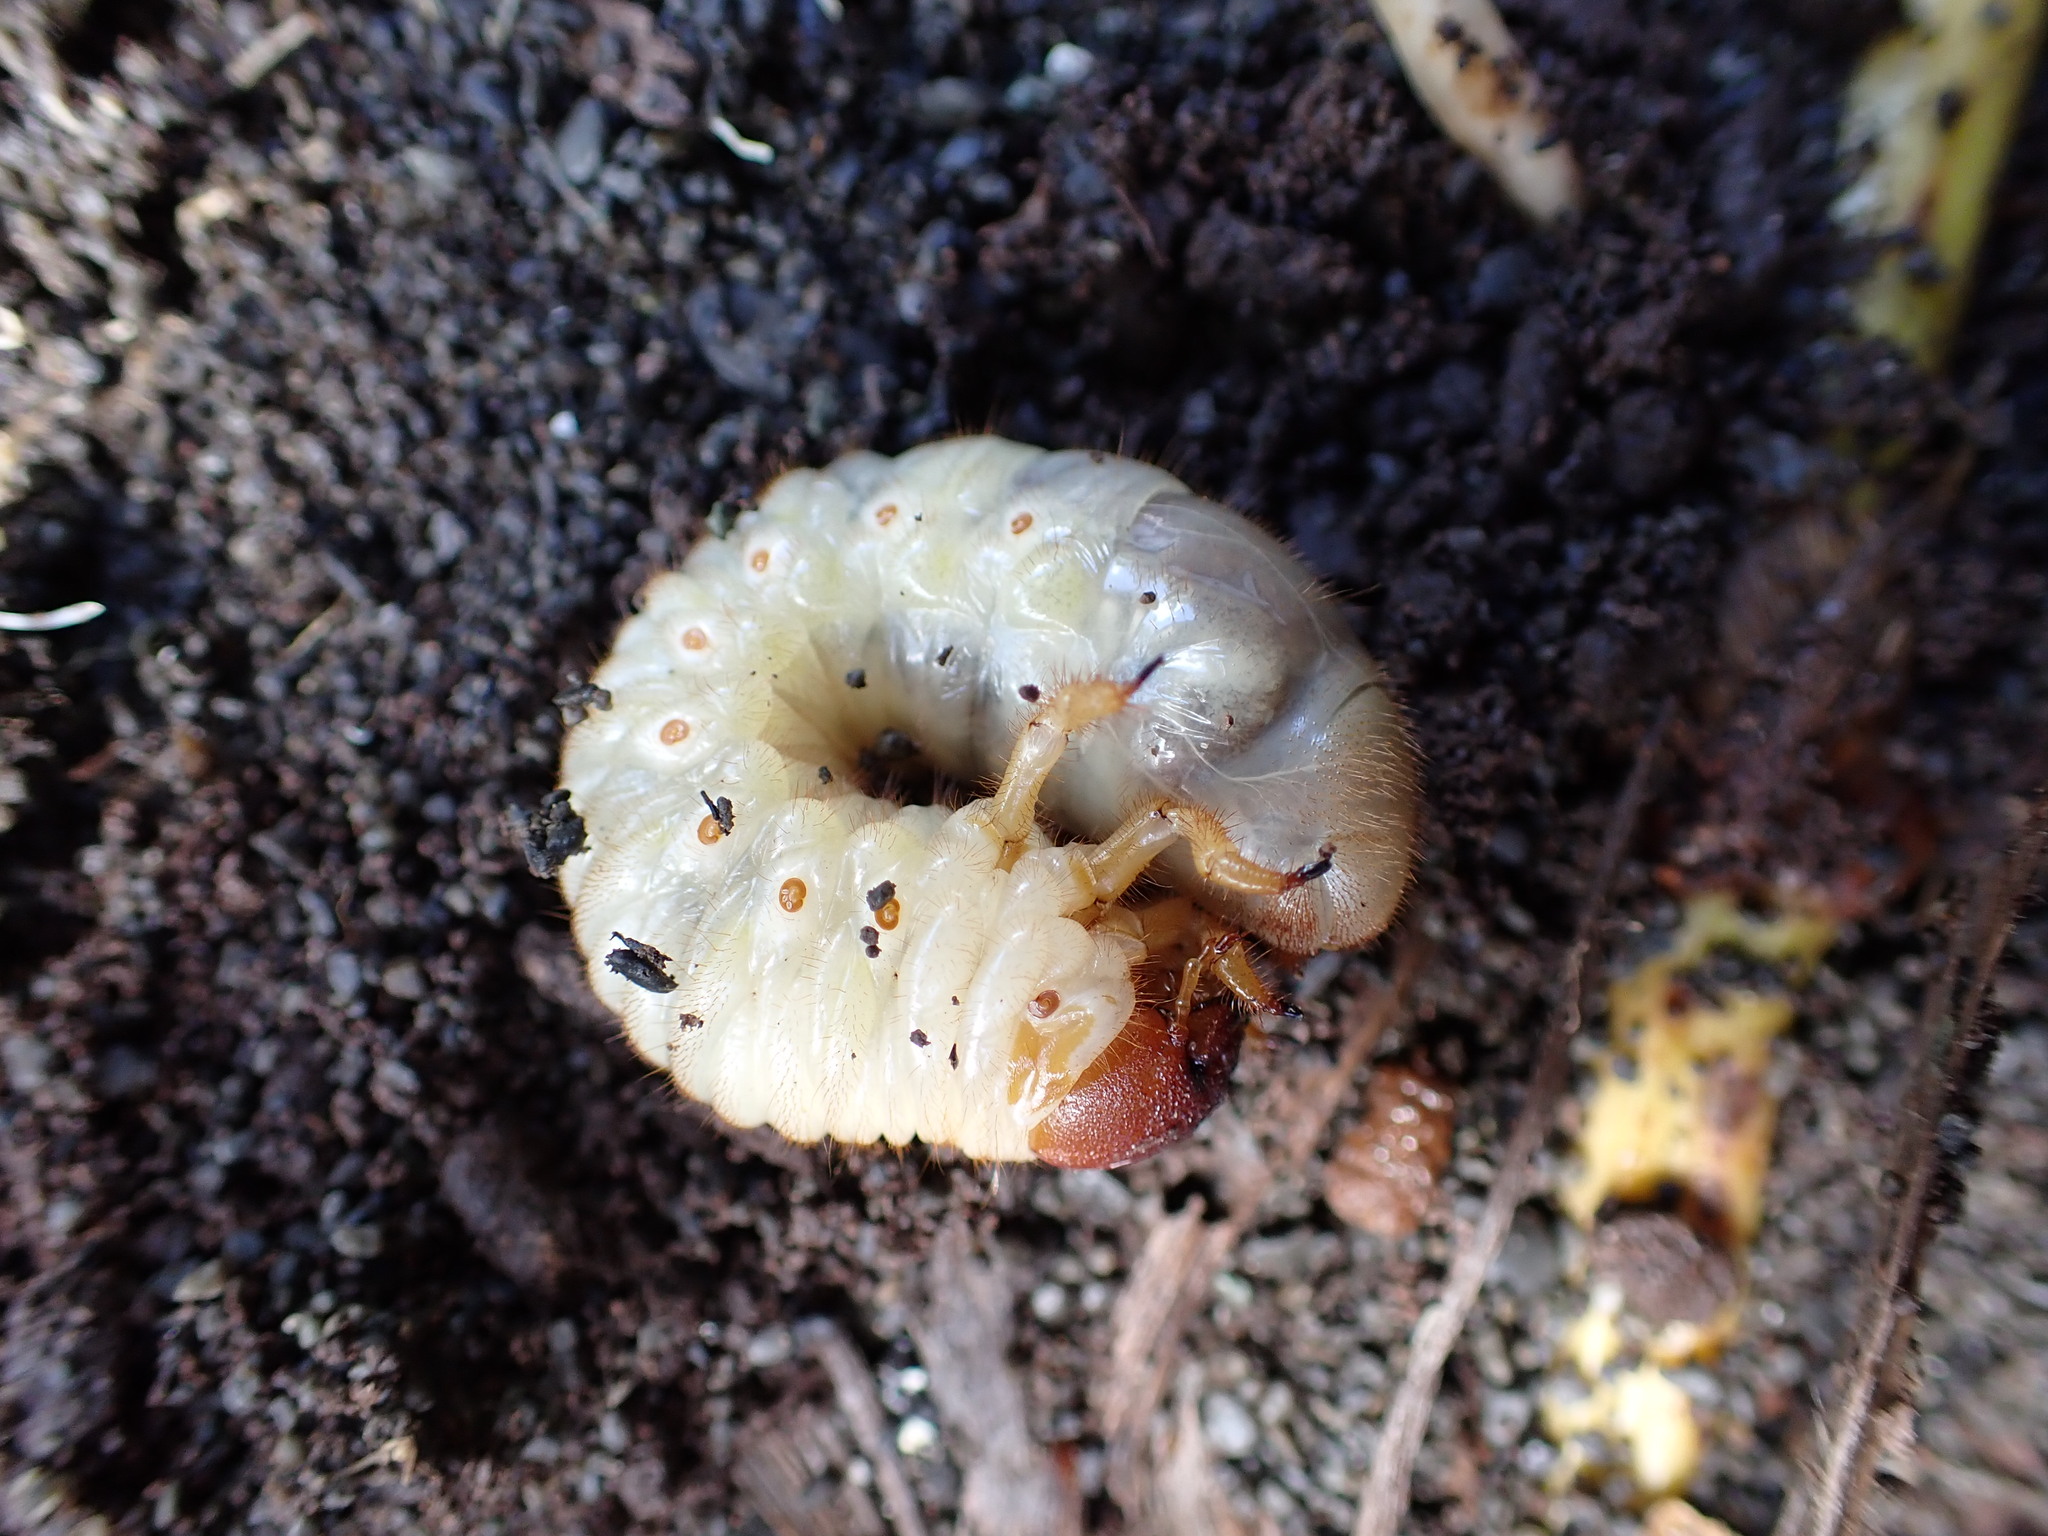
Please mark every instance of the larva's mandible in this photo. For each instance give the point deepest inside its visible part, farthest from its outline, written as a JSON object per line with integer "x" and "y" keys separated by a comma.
{"x": 1155, "y": 672}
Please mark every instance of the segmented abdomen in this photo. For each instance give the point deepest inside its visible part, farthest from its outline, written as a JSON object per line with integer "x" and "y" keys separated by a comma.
{"x": 847, "y": 966}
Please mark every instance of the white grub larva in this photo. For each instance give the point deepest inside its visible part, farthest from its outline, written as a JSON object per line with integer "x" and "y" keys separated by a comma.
{"x": 1155, "y": 673}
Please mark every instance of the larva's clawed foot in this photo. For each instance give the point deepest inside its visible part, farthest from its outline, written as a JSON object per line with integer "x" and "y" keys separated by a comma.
{"x": 1223, "y": 956}
{"x": 1315, "y": 871}
{"x": 1219, "y": 861}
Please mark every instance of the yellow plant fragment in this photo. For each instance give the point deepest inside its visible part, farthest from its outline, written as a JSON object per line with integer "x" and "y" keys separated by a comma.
{"x": 1642, "y": 1409}
{"x": 1594, "y": 1341}
{"x": 1675, "y": 1517}
{"x": 1680, "y": 1098}
{"x": 1929, "y": 117}
{"x": 1680, "y": 1105}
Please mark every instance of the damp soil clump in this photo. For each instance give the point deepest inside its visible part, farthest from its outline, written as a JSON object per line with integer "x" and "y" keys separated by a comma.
{"x": 367, "y": 371}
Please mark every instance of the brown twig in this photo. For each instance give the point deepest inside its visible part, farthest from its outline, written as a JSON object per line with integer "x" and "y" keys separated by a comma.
{"x": 962, "y": 1328}
{"x": 1384, "y": 1503}
{"x": 1823, "y": 671}
{"x": 1183, "y": 1253}
{"x": 1953, "y": 1036}
{"x": 853, "y": 1385}
{"x": 1137, "y": 216}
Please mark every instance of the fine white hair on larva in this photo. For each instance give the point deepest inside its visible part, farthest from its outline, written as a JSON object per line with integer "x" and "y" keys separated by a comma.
{"x": 1157, "y": 675}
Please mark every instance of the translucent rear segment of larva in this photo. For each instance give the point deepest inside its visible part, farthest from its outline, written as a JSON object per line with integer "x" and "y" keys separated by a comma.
{"x": 802, "y": 953}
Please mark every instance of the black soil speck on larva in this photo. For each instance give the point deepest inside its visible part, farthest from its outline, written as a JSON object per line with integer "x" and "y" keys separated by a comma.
{"x": 368, "y": 393}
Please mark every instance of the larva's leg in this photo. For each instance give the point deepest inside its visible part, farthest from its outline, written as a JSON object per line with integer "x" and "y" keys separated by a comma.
{"x": 1223, "y": 955}
{"x": 1176, "y": 924}
{"x": 1241, "y": 978}
{"x": 1218, "y": 861}
{"x": 1013, "y": 809}
{"x": 1116, "y": 862}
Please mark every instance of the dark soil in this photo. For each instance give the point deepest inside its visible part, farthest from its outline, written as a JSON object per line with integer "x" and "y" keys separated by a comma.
{"x": 366, "y": 397}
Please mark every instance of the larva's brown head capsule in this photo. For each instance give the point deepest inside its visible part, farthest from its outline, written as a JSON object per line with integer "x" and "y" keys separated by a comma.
{"x": 1150, "y": 1087}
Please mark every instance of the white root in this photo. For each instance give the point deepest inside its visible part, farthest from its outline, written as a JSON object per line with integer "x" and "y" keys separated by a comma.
{"x": 753, "y": 151}
{"x": 70, "y": 616}
{"x": 1469, "y": 73}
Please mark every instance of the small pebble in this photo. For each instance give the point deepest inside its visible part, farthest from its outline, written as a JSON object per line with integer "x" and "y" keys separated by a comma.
{"x": 769, "y": 1347}
{"x": 1068, "y": 64}
{"x": 483, "y": 91}
{"x": 950, "y": 102}
{"x": 204, "y": 1283}
{"x": 1279, "y": 1503}
{"x": 1232, "y": 1290}
{"x": 124, "y": 1073}
{"x": 580, "y": 144}
{"x": 344, "y": 976}
{"x": 1229, "y": 1429}
{"x": 960, "y": 153}
{"x": 1536, "y": 1457}
{"x": 1030, "y": 93}
{"x": 1049, "y": 1303}
{"x": 404, "y": 980}
{"x": 360, "y": 1242}
{"x": 563, "y": 427}
{"x": 1504, "y": 281}
{"x": 1504, "y": 1418}
{"x": 29, "y": 1062}
{"x": 916, "y": 1436}
{"x": 1528, "y": 1262}
{"x": 1275, "y": 1403}
{"x": 913, "y": 301}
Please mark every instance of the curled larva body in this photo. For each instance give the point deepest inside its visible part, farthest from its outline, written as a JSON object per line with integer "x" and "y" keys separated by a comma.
{"x": 1163, "y": 672}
